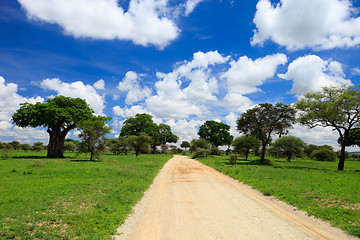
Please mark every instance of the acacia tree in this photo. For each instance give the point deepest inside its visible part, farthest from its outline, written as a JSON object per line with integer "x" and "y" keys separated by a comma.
{"x": 140, "y": 143}
{"x": 185, "y": 144}
{"x": 93, "y": 135}
{"x": 245, "y": 144}
{"x": 288, "y": 146}
{"x": 335, "y": 107}
{"x": 265, "y": 120}
{"x": 59, "y": 115}
{"x": 217, "y": 133}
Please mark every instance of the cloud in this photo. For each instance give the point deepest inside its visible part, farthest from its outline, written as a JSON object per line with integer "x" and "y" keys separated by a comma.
{"x": 183, "y": 92}
{"x": 128, "y": 112}
{"x": 311, "y": 73}
{"x": 100, "y": 85}
{"x": 144, "y": 23}
{"x": 356, "y": 71}
{"x": 10, "y": 100}
{"x": 318, "y": 24}
{"x": 186, "y": 130}
{"x": 131, "y": 84}
{"x": 76, "y": 90}
{"x": 246, "y": 74}
{"x": 190, "y": 5}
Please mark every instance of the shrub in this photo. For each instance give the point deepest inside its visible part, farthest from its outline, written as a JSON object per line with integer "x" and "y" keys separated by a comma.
{"x": 323, "y": 154}
{"x": 201, "y": 152}
{"x": 215, "y": 150}
{"x": 233, "y": 159}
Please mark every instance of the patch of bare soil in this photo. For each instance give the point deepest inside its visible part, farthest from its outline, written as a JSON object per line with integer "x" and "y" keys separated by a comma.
{"x": 189, "y": 200}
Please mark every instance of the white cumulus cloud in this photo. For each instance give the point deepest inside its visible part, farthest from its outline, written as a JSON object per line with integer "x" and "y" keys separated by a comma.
{"x": 131, "y": 84}
{"x": 76, "y": 90}
{"x": 318, "y": 24}
{"x": 100, "y": 85}
{"x": 311, "y": 73}
{"x": 144, "y": 23}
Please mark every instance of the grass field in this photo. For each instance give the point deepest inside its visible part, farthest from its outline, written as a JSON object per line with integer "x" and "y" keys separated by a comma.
{"x": 313, "y": 186}
{"x": 70, "y": 198}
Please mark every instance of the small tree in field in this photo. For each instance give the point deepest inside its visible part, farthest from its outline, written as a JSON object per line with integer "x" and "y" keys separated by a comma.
{"x": 288, "y": 146}
{"x": 216, "y": 133}
{"x": 93, "y": 136}
{"x": 245, "y": 144}
{"x": 335, "y": 107}
{"x": 38, "y": 146}
{"x": 265, "y": 120}
{"x": 25, "y": 147}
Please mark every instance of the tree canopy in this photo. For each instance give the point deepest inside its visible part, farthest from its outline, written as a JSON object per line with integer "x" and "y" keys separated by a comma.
{"x": 59, "y": 115}
{"x": 335, "y": 107}
{"x": 288, "y": 146}
{"x": 245, "y": 144}
{"x": 217, "y": 133}
{"x": 265, "y": 120}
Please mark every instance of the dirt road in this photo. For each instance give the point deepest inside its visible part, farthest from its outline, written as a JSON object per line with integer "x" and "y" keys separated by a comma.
{"x": 191, "y": 201}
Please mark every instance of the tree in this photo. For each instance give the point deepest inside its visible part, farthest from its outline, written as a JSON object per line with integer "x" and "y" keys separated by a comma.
{"x": 118, "y": 145}
{"x": 324, "y": 154}
{"x": 288, "y": 146}
{"x": 38, "y": 146}
{"x": 140, "y": 143}
{"x": 199, "y": 143}
{"x": 59, "y": 115}
{"x": 165, "y": 135}
{"x": 93, "y": 135}
{"x": 141, "y": 123}
{"x": 308, "y": 149}
{"x": 185, "y": 144}
{"x": 216, "y": 133}
{"x": 354, "y": 138}
{"x": 69, "y": 146}
{"x": 335, "y": 107}
{"x": 14, "y": 144}
{"x": 25, "y": 147}
{"x": 265, "y": 120}
{"x": 245, "y": 144}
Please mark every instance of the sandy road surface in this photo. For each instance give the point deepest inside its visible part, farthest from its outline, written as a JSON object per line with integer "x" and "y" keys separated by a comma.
{"x": 191, "y": 201}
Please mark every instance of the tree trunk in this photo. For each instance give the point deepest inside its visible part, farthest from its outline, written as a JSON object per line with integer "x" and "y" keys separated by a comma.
{"x": 263, "y": 148}
{"x": 56, "y": 143}
{"x": 342, "y": 157}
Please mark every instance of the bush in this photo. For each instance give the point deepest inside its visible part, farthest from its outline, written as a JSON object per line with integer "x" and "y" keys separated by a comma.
{"x": 323, "y": 154}
{"x": 201, "y": 152}
{"x": 233, "y": 159}
{"x": 215, "y": 150}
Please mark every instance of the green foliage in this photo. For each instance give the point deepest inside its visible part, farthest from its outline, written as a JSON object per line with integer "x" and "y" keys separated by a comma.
{"x": 14, "y": 144}
{"x": 201, "y": 153}
{"x": 338, "y": 108}
{"x": 265, "y": 120}
{"x": 71, "y": 198}
{"x": 59, "y": 115}
{"x": 233, "y": 159}
{"x": 308, "y": 149}
{"x": 185, "y": 144}
{"x": 245, "y": 145}
{"x": 288, "y": 146}
{"x": 70, "y": 146}
{"x": 166, "y": 135}
{"x": 199, "y": 143}
{"x": 38, "y": 146}
{"x": 217, "y": 133}
{"x": 26, "y": 147}
{"x": 312, "y": 186}
{"x": 323, "y": 154}
{"x": 118, "y": 145}
{"x": 93, "y": 136}
{"x": 140, "y": 143}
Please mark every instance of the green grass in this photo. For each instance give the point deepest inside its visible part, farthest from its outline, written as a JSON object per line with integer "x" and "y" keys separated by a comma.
{"x": 313, "y": 186}
{"x": 70, "y": 198}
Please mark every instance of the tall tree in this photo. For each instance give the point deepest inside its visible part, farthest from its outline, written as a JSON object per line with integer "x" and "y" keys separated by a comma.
{"x": 141, "y": 123}
{"x": 93, "y": 135}
{"x": 265, "y": 120}
{"x": 59, "y": 115}
{"x": 245, "y": 144}
{"x": 335, "y": 107}
{"x": 217, "y": 133}
{"x": 140, "y": 143}
{"x": 166, "y": 135}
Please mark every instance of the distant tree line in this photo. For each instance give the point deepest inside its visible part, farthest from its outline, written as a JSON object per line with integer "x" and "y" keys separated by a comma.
{"x": 334, "y": 107}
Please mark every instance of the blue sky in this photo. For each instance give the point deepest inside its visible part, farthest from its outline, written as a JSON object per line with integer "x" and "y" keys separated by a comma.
{"x": 183, "y": 62}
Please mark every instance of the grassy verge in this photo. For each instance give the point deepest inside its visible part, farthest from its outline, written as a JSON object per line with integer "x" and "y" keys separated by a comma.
{"x": 313, "y": 186}
{"x": 70, "y": 198}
